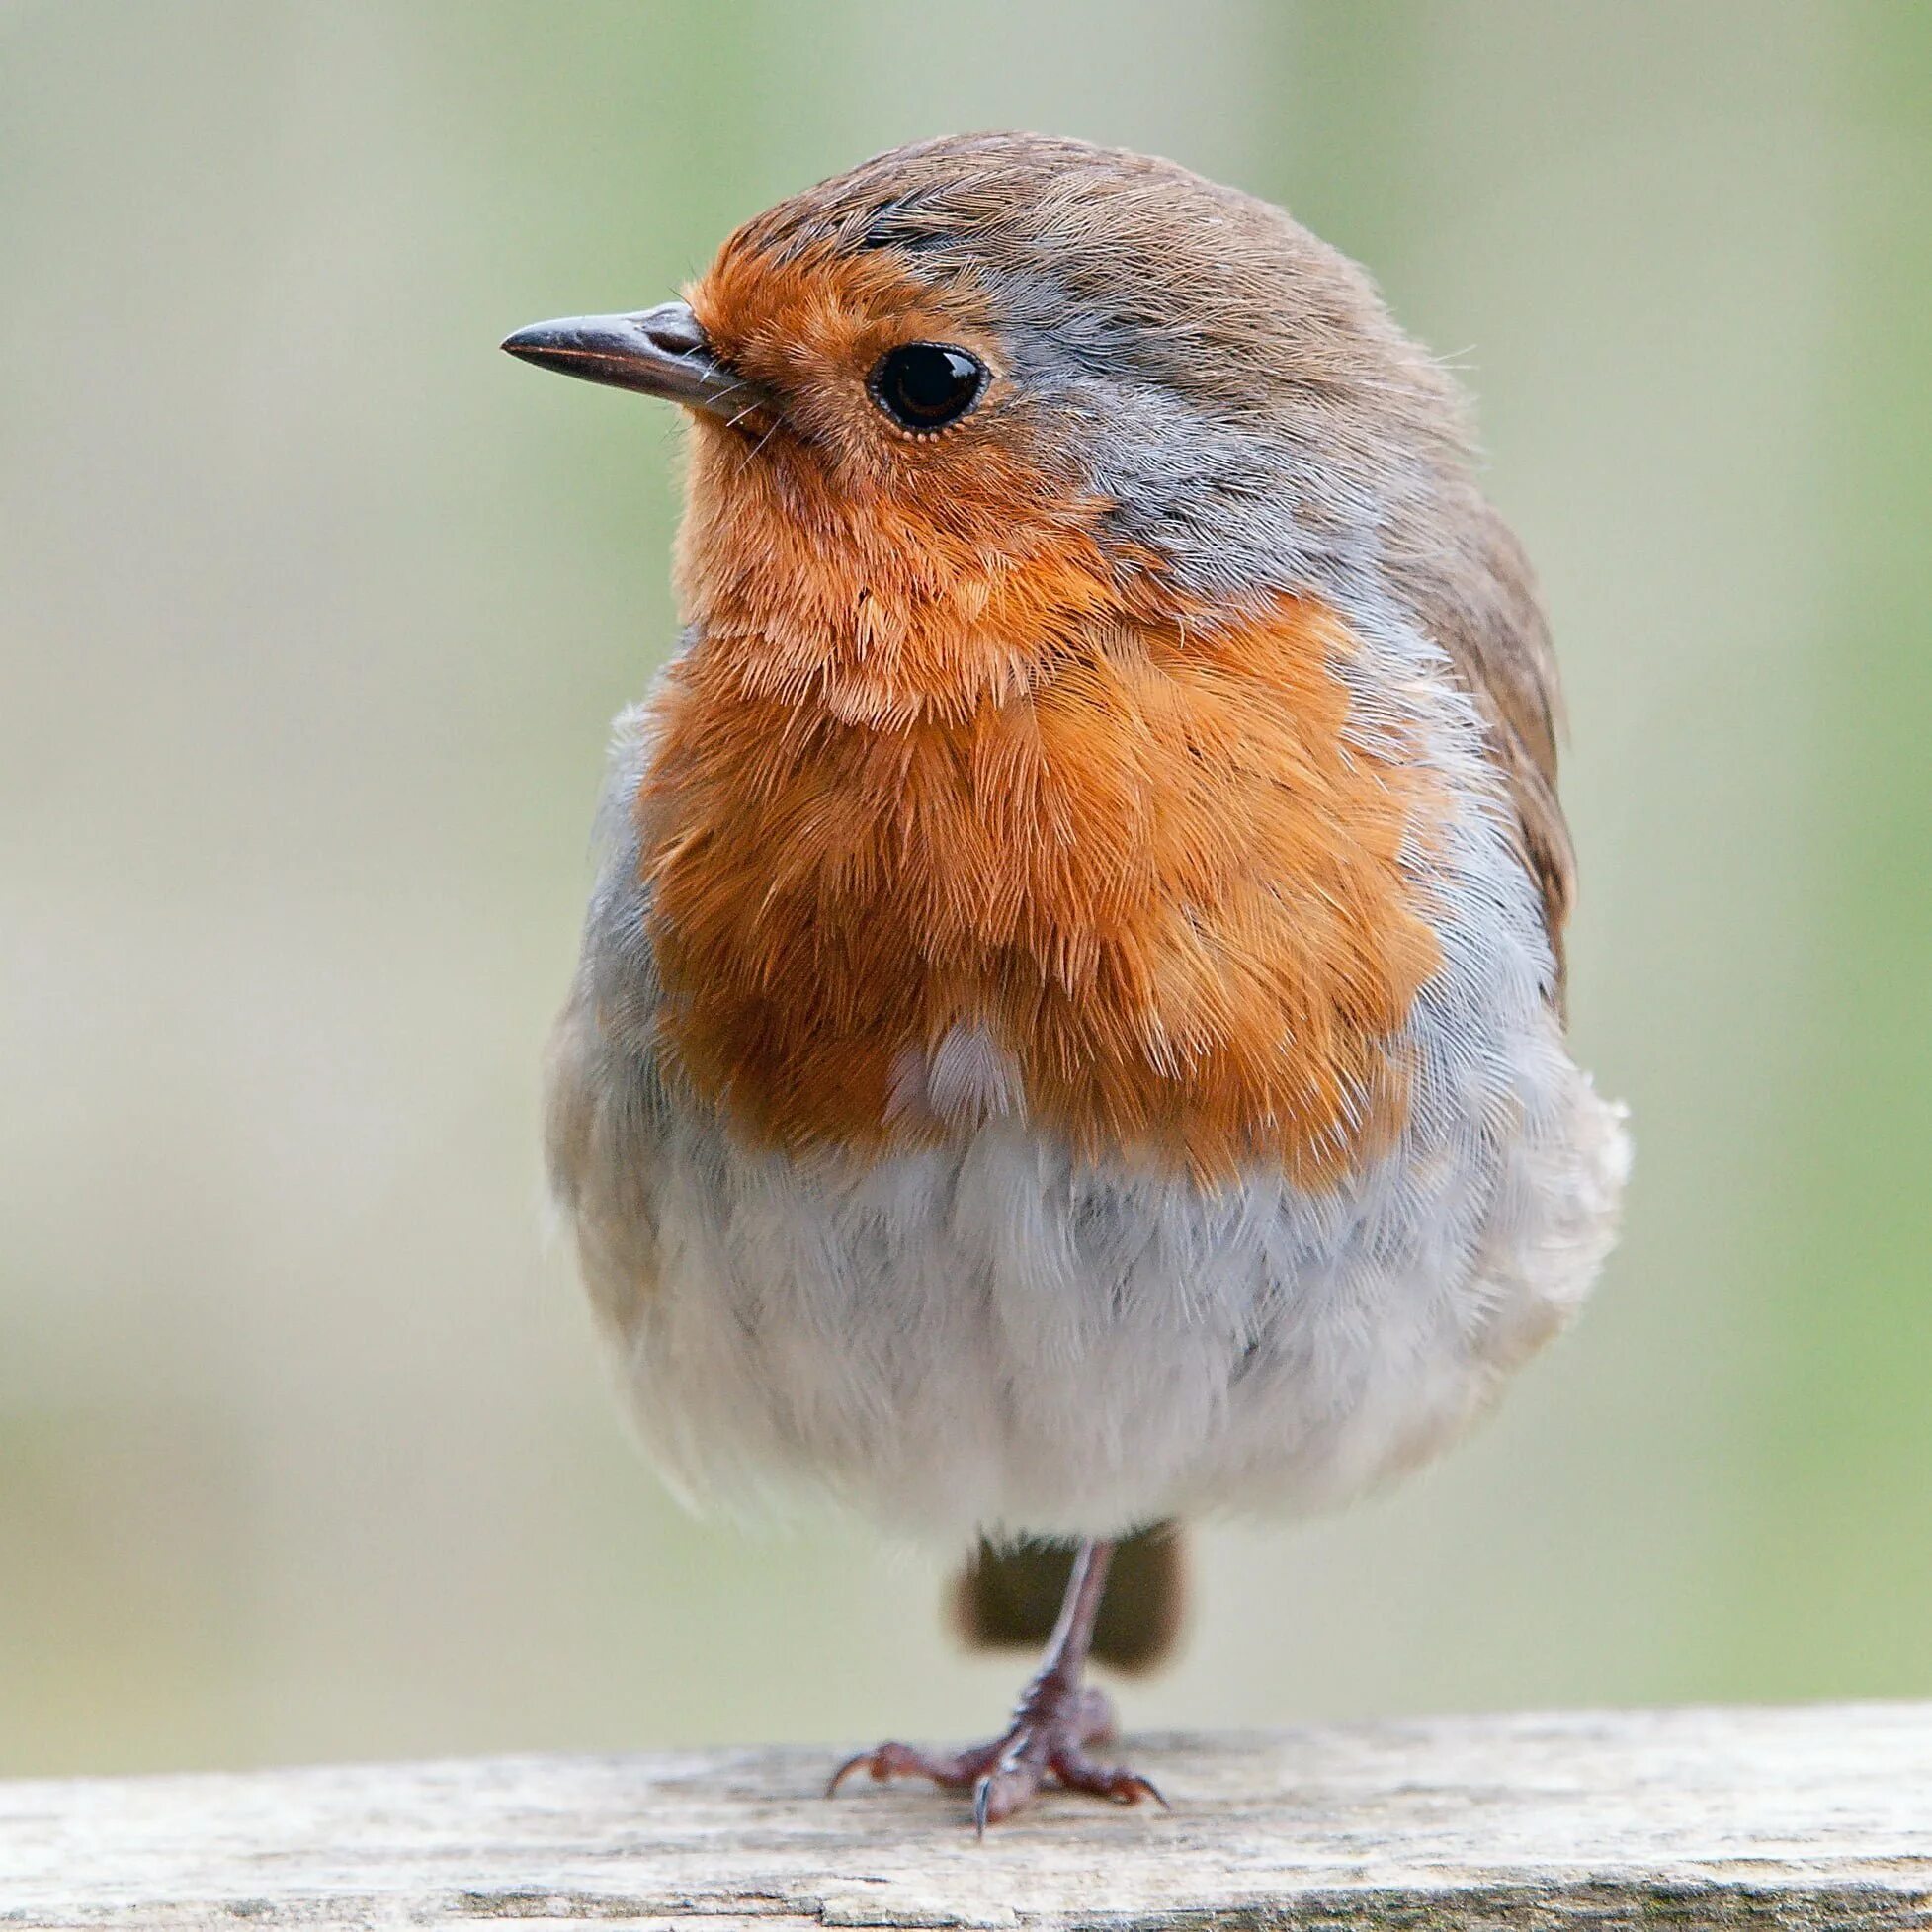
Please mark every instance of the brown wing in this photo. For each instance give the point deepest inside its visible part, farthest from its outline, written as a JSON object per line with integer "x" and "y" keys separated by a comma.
{"x": 1485, "y": 613}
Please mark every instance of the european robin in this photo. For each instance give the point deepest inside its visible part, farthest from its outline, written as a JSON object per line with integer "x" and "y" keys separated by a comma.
{"x": 1069, "y": 1034}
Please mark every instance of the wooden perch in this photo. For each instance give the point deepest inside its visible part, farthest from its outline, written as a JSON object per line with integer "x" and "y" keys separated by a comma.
{"x": 1803, "y": 1817}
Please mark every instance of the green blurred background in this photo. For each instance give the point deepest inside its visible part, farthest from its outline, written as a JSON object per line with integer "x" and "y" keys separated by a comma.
{"x": 315, "y": 610}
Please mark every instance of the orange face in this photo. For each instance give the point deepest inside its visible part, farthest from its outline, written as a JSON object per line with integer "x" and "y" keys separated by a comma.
{"x": 944, "y": 755}
{"x": 889, "y": 573}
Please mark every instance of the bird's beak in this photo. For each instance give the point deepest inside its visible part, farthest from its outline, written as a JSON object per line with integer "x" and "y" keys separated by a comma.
{"x": 663, "y": 352}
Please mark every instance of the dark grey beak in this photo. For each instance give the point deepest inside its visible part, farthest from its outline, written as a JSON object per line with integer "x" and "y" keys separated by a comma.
{"x": 662, "y": 353}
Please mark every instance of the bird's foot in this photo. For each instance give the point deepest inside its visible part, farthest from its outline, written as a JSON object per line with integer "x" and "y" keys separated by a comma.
{"x": 1046, "y": 1743}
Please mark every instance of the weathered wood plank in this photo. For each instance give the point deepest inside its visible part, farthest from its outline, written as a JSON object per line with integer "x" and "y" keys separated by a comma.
{"x": 1794, "y": 1818}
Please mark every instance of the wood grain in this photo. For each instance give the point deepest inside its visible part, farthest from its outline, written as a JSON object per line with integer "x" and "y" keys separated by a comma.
{"x": 1819, "y": 1816}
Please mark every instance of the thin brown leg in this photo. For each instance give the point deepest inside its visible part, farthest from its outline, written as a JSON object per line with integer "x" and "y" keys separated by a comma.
{"x": 1053, "y": 1723}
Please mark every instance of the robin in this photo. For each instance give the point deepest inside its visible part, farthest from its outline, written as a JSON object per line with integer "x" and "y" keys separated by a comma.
{"x": 1069, "y": 1034}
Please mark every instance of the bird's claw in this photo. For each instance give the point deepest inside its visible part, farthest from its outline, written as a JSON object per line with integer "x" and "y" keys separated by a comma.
{"x": 1045, "y": 1744}
{"x": 887, "y": 1761}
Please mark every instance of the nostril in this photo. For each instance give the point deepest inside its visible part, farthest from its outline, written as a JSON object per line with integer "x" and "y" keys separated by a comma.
{"x": 674, "y": 329}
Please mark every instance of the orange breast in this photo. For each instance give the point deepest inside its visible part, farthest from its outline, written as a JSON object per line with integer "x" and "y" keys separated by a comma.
{"x": 1147, "y": 861}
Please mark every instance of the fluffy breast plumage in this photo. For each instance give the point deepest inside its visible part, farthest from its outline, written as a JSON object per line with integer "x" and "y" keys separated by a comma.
{"x": 1169, "y": 880}
{"x": 1142, "y": 1094}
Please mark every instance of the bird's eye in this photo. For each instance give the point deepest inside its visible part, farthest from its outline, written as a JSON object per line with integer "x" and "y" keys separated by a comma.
{"x": 924, "y": 385}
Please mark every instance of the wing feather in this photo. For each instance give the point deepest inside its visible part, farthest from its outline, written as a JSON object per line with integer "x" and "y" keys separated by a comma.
{"x": 1485, "y": 613}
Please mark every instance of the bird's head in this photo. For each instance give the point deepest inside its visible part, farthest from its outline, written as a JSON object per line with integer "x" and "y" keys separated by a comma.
{"x": 961, "y": 405}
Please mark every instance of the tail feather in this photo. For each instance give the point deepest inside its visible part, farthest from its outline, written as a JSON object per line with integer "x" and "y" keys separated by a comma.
{"x": 1007, "y": 1598}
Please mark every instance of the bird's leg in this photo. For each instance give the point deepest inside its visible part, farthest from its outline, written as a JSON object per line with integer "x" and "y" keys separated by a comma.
{"x": 1053, "y": 1723}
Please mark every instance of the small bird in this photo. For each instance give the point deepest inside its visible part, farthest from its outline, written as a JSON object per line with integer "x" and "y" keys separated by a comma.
{"x": 1069, "y": 1037}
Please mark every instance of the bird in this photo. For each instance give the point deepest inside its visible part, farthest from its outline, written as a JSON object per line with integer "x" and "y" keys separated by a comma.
{"x": 1069, "y": 1040}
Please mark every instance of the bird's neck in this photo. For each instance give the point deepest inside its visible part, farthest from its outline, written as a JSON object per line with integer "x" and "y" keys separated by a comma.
{"x": 884, "y": 611}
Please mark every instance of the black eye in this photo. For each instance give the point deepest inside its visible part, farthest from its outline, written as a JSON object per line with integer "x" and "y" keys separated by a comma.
{"x": 926, "y": 385}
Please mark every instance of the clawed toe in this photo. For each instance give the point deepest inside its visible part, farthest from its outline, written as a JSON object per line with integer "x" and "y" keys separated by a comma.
{"x": 1011, "y": 1786}
{"x": 1005, "y": 1776}
{"x": 1110, "y": 1781}
{"x": 888, "y": 1761}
